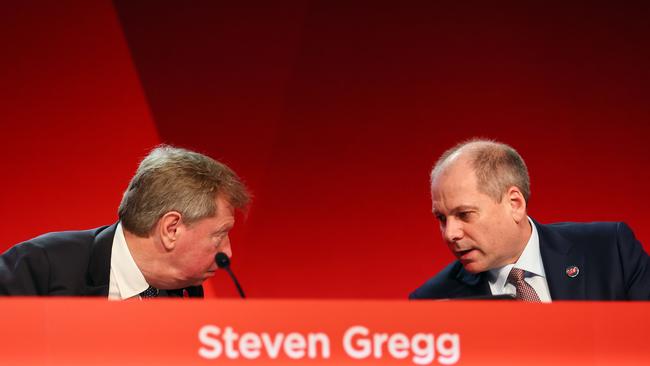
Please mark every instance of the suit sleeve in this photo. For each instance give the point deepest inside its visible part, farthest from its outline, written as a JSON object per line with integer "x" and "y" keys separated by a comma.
{"x": 24, "y": 271}
{"x": 635, "y": 264}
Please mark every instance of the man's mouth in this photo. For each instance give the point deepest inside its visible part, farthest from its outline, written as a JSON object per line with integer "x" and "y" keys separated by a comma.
{"x": 464, "y": 254}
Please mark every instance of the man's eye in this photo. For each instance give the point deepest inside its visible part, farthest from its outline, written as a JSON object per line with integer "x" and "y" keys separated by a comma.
{"x": 464, "y": 215}
{"x": 441, "y": 218}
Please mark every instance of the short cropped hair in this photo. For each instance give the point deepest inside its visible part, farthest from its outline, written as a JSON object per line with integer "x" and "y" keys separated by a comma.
{"x": 497, "y": 166}
{"x": 175, "y": 179}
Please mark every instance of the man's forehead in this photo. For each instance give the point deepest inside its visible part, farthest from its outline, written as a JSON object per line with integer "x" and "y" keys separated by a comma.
{"x": 456, "y": 177}
{"x": 455, "y": 188}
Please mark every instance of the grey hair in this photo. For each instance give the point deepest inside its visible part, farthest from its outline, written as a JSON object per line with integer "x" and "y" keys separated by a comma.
{"x": 497, "y": 166}
{"x": 175, "y": 179}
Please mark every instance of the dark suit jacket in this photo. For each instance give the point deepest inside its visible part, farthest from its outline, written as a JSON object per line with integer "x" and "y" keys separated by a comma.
{"x": 69, "y": 263}
{"x": 612, "y": 264}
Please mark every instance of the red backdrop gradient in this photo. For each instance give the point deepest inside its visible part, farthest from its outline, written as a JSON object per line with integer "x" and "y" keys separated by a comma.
{"x": 333, "y": 114}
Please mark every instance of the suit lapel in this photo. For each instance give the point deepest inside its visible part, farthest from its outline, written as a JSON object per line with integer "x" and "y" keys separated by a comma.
{"x": 99, "y": 267}
{"x": 472, "y": 285}
{"x": 558, "y": 254}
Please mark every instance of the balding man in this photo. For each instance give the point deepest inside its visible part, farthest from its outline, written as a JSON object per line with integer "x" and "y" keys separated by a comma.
{"x": 480, "y": 191}
{"x": 175, "y": 217}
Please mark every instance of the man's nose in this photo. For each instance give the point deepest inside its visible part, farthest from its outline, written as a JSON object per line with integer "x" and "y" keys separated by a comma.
{"x": 453, "y": 230}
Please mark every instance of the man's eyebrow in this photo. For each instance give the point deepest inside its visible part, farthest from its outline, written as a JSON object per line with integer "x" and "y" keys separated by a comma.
{"x": 461, "y": 208}
{"x": 457, "y": 209}
{"x": 224, "y": 228}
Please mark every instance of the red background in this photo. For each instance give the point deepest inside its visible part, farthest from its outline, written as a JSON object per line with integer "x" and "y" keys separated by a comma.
{"x": 333, "y": 113}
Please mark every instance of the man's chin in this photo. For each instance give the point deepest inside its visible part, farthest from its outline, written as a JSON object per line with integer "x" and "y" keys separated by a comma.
{"x": 473, "y": 267}
{"x": 191, "y": 282}
{"x": 199, "y": 281}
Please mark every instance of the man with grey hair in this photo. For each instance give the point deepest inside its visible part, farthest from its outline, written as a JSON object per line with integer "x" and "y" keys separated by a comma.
{"x": 174, "y": 217}
{"x": 480, "y": 191}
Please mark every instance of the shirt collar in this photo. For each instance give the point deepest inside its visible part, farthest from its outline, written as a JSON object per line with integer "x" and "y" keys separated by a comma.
{"x": 530, "y": 261}
{"x": 130, "y": 281}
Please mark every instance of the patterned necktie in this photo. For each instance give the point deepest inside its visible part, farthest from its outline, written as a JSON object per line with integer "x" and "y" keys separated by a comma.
{"x": 525, "y": 292}
{"x": 149, "y": 293}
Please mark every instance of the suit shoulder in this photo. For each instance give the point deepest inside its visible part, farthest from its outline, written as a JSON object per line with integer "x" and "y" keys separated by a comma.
{"x": 605, "y": 240}
{"x": 440, "y": 285}
{"x": 584, "y": 227}
{"x": 71, "y": 236}
{"x": 54, "y": 242}
{"x": 53, "y": 263}
{"x": 588, "y": 232}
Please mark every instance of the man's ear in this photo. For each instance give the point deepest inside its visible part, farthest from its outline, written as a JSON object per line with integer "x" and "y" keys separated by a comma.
{"x": 517, "y": 204}
{"x": 168, "y": 227}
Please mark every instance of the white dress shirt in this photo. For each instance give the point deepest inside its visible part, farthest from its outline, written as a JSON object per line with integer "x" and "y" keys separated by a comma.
{"x": 126, "y": 280}
{"x": 531, "y": 262}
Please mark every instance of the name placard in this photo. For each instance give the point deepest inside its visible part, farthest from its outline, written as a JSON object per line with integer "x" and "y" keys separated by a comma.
{"x": 75, "y": 331}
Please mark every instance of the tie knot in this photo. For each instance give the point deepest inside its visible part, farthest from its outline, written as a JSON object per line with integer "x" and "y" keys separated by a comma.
{"x": 524, "y": 290}
{"x": 150, "y": 292}
{"x": 516, "y": 275}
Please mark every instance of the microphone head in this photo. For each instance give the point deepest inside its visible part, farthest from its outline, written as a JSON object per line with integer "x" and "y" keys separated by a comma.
{"x": 222, "y": 260}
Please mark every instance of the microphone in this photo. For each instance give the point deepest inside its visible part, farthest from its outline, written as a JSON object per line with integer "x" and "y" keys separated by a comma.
{"x": 223, "y": 262}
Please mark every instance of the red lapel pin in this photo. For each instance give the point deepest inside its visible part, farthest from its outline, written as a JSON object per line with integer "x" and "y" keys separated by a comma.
{"x": 572, "y": 271}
